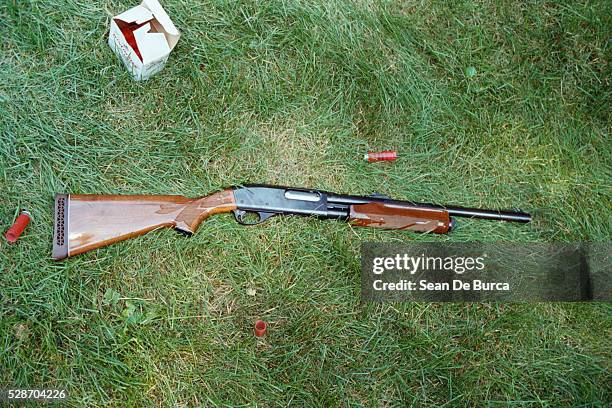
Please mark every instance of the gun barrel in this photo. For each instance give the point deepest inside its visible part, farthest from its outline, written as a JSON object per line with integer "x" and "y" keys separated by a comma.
{"x": 514, "y": 216}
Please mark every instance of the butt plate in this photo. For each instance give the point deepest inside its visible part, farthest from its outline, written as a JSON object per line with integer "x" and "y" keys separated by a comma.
{"x": 60, "y": 227}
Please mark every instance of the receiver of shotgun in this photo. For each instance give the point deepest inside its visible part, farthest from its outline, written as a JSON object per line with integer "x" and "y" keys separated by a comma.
{"x": 86, "y": 222}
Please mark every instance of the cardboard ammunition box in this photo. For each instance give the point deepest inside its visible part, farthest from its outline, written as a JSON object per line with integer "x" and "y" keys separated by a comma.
{"x": 143, "y": 38}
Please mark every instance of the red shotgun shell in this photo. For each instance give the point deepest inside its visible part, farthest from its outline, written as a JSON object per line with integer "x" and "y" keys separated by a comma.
{"x": 389, "y": 155}
{"x": 20, "y": 223}
{"x": 260, "y": 328}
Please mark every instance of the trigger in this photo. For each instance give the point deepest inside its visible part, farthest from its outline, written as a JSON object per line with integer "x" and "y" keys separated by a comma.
{"x": 239, "y": 216}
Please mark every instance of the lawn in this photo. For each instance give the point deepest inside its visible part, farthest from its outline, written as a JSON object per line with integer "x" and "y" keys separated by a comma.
{"x": 494, "y": 104}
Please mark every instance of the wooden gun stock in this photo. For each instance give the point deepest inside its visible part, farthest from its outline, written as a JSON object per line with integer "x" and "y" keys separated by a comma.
{"x": 390, "y": 216}
{"x": 86, "y": 222}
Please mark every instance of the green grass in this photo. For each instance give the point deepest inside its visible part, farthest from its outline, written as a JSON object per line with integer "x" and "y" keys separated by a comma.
{"x": 294, "y": 92}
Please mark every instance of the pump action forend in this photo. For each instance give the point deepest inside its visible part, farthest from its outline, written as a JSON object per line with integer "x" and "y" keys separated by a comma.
{"x": 86, "y": 222}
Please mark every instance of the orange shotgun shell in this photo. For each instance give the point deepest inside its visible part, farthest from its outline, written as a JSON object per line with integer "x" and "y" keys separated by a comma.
{"x": 386, "y": 155}
{"x": 260, "y": 328}
{"x": 17, "y": 228}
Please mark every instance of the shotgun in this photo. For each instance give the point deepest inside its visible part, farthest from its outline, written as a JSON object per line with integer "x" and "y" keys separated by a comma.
{"x": 89, "y": 221}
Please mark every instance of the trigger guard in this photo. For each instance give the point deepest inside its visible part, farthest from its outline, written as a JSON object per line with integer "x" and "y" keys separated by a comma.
{"x": 264, "y": 216}
{"x": 239, "y": 215}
